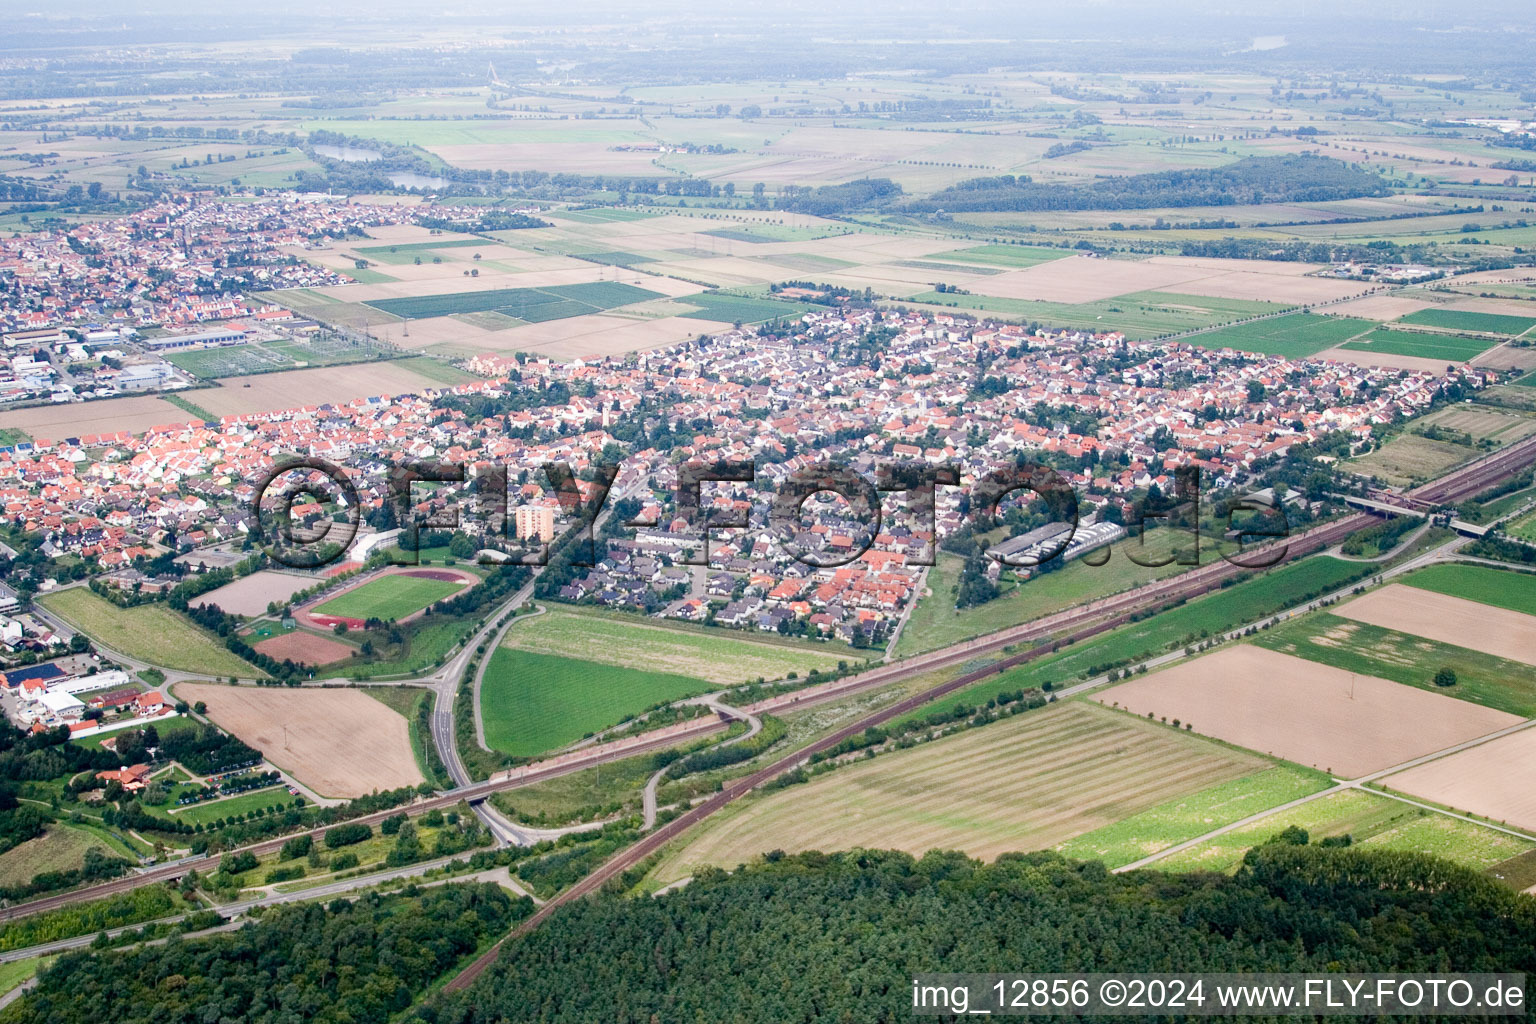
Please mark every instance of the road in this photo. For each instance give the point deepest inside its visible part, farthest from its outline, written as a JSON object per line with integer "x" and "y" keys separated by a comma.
{"x": 1069, "y": 626}
{"x": 1455, "y": 486}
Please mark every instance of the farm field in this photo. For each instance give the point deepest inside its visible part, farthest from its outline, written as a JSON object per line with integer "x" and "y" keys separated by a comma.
{"x": 407, "y": 701}
{"x": 533, "y": 305}
{"x": 1180, "y": 820}
{"x": 1371, "y": 820}
{"x": 740, "y": 308}
{"x": 60, "y": 848}
{"x": 136, "y": 414}
{"x": 390, "y": 597}
{"x": 1448, "y": 619}
{"x": 1146, "y": 314}
{"x": 150, "y": 632}
{"x": 1481, "y": 677}
{"x": 1463, "y": 320}
{"x": 289, "y": 389}
{"x": 1446, "y": 347}
{"x": 250, "y": 595}
{"x": 1492, "y": 779}
{"x": 1295, "y": 336}
{"x": 1203, "y": 617}
{"x": 1346, "y": 724}
{"x": 339, "y": 742}
{"x": 1026, "y": 783}
{"x": 1501, "y": 588}
{"x": 534, "y": 703}
{"x": 1011, "y": 256}
{"x": 718, "y": 657}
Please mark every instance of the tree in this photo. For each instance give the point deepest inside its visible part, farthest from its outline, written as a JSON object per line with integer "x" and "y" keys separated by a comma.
{"x": 1445, "y": 677}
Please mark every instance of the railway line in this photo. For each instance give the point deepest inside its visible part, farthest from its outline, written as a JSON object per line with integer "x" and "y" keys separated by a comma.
{"x": 1046, "y": 634}
{"x": 1120, "y": 609}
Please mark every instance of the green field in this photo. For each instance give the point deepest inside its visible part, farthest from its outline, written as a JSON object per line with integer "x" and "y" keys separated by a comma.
{"x": 242, "y": 803}
{"x": 1295, "y": 336}
{"x": 1413, "y": 660}
{"x": 12, "y": 436}
{"x": 534, "y": 305}
{"x": 533, "y": 703}
{"x": 241, "y": 360}
{"x": 1448, "y": 347}
{"x": 1460, "y": 320}
{"x": 742, "y": 309}
{"x": 1501, "y": 588}
{"x": 936, "y": 622}
{"x": 421, "y": 247}
{"x": 719, "y": 656}
{"x": 1371, "y": 820}
{"x": 151, "y": 632}
{"x": 1029, "y": 782}
{"x": 613, "y": 258}
{"x": 438, "y": 371}
{"x": 1182, "y": 819}
{"x": 388, "y": 597}
{"x": 1012, "y": 256}
{"x": 1205, "y": 617}
{"x": 61, "y": 848}
{"x": 1149, "y": 314}
{"x": 1410, "y": 459}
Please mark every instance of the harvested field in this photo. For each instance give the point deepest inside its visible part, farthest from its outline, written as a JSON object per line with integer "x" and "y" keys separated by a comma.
{"x": 1379, "y": 357}
{"x": 304, "y": 648}
{"x": 1409, "y": 459}
{"x": 1026, "y": 783}
{"x": 339, "y": 742}
{"x": 290, "y": 389}
{"x": 1380, "y": 307}
{"x": 1450, "y": 620}
{"x": 250, "y": 595}
{"x": 1345, "y": 723}
{"x": 1492, "y": 779}
{"x": 86, "y": 419}
{"x": 1283, "y": 288}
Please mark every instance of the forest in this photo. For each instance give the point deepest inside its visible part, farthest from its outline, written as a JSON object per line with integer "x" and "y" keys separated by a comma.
{"x": 343, "y": 961}
{"x": 1256, "y": 179}
{"x": 819, "y": 937}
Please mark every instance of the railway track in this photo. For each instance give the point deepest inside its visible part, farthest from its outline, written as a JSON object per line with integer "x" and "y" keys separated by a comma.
{"x": 1115, "y": 611}
{"x": 1048, "y": 633}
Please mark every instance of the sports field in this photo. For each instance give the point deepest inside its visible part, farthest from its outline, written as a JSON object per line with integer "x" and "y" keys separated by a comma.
{"x": 393, "y": 596}
{"x": 1182, "y": 819}
{"x": 1501, "y": 588}
{"x": 1360, "y": 647}
{"x": 532, "y": 305}
{"x": 533, "y": 703}
{"x": 1344, "y": 723}
{"x": 718, "y": 657}
{"x": 1449, "y": 347}
{"x": 1373, "y": 821}
{"x": 151, "y": 632}
{"x": 1463, "y": 320}
{"x": 1294, "y": 336}
{"x": 1027, "y": 783}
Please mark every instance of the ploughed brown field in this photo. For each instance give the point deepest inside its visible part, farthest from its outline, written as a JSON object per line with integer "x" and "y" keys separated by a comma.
{"x": 1345, "y": 723}
{"x": 339, "y": 742}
